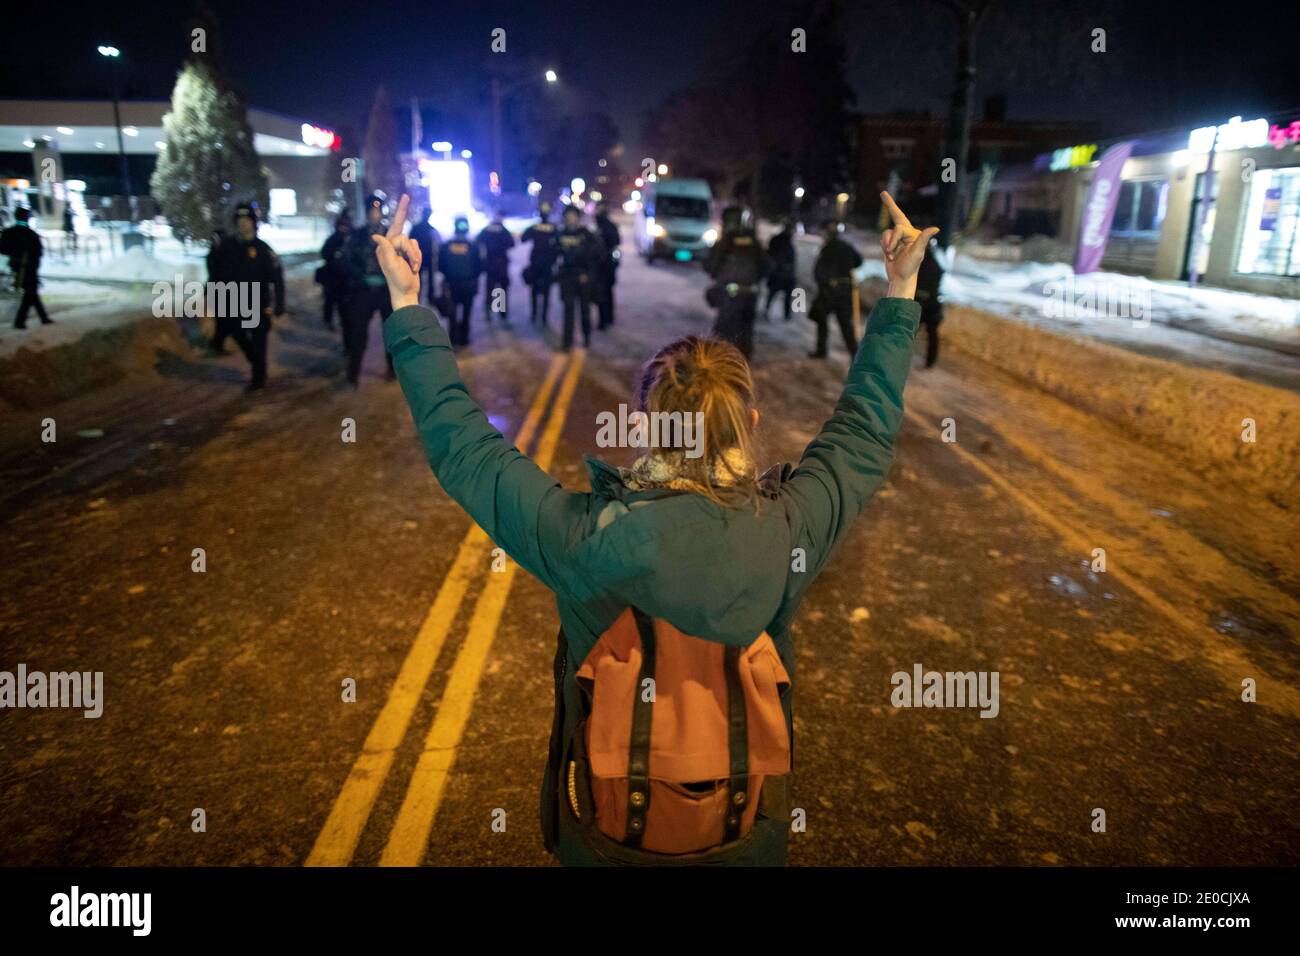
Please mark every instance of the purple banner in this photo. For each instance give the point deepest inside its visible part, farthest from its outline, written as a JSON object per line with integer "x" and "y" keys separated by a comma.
{"x": 1099, "y": 210}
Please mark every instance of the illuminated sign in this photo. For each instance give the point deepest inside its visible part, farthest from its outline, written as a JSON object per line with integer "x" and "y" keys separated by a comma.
{"x": 321, "y": 138}
{"x": 1280, "y": 136}
{"x": 1072, "y": 157}
{"x": 448, "y": 183}
{"x": 1233, "y": 134}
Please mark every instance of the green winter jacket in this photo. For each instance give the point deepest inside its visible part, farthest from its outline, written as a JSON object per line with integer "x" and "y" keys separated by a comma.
{"x": 720, "y": 573}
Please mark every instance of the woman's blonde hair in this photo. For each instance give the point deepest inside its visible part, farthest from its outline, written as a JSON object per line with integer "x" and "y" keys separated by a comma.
{"x": 696, "y": 374}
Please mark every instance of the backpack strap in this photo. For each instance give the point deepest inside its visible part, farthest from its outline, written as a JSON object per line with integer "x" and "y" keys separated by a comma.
{"x": 638, "y": 763}
{"x": 737, "y": 744}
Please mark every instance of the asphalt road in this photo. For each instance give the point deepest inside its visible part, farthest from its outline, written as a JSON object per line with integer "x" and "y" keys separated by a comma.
{"x": 330, "y": 562}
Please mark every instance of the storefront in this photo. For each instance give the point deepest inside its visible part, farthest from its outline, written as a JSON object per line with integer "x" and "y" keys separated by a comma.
{"x": 77, "y": 142}
{"x": 1221, "y": 203}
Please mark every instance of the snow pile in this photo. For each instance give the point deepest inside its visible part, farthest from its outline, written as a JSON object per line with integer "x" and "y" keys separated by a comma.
{"x": 76, "y": 308}
{"x": 994, "y": 284}
{"x": 1198, "y": 414}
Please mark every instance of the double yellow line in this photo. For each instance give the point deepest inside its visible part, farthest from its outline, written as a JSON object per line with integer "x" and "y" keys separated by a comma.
{"x": 338, "y": 838}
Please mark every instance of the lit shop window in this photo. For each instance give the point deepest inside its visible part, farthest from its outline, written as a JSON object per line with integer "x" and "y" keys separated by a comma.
{"x": 284, "y": 202}
{"x": 1269, "y": 242}
{"x": 1141, "y": 208}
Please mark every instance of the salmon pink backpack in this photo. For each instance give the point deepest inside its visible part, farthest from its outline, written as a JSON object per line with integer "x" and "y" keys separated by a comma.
{"x": 678, "y": 740}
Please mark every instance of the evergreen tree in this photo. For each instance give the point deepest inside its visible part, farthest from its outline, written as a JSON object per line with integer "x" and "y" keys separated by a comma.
{"x": 209, "y": 165}
{"x": 382, "y": 170}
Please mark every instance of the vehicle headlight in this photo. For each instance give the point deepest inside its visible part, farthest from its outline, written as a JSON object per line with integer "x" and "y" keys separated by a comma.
{"x": 711, "y": 236}
{"x": 656, "y": 230}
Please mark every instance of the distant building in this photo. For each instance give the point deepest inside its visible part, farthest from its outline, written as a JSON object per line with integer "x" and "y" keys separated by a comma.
{"x": 81, "y": 138}
{"x": 905, "y": 151}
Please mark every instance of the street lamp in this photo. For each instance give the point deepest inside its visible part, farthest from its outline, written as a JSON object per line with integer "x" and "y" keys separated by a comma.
{"x": 499, "y": 93}
{"x": 114, "y": 55}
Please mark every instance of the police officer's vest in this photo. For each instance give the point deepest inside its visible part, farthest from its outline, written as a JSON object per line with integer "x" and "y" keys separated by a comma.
{"x": 740, "y": 263}
{"x": 543, "y": 252}
{"x": 459, "y": 269}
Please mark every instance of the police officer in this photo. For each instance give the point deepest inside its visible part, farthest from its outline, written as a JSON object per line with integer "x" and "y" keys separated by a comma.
{"x": 608, "y": 234}
{"x": 426, "y": 237}
{"x": 780, "y": 250}
{"x": 835, "y": 284}
{"x": 737, "y": 264}
{"x": 928, "y": 280}
{"x": 244, "y": 258}
{"x": 540, "y": 272}
{"x": 496, "y": 243}
{"x": 22, "y": 245}
{"x": 333, "y": 275}
{"x": 580, "y": 253}
{"x": 367, "y": 289}
{"x": 460, "y": 265}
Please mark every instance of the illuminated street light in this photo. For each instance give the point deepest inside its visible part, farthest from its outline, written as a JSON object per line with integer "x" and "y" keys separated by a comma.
{"x": 113, "y": 55}
{"x": 499, "y": 93}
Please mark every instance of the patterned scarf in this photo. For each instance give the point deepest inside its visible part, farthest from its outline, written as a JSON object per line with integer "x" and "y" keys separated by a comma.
{"x": 665, "y": 471}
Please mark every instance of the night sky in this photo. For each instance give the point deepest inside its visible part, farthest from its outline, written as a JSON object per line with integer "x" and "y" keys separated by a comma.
{"x": 1169, "y": 64}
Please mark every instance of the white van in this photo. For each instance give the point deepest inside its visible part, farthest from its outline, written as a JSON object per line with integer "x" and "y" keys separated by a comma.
{"x": 676, "y": 220}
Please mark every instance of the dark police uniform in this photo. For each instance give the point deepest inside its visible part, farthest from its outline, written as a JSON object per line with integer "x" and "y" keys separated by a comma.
{"x": 541, "y": 265}
{"x": 367, "y": 293}
{"x": 247, "y": 261}
{"x": 460, "y": 265}
{"x": 334, "y": 275}
{"x": 496, "y": 242}
{"x": 737, "y": 264}
{"x": 928, "y": 279}
{"x": 609, "y": 240}
{"x": 427, "y": 238}
{"x": 781, "y": 252}
{"x": 580, "y": 254}
{"x": 23, "y": 247}
{"x": 834, "y": 274}
{"x": 238, "y": 260}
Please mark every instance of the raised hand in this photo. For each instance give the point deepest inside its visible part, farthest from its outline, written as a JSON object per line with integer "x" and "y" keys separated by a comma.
{"x": 904, "y": 247}
{"x": 400, "y": 259}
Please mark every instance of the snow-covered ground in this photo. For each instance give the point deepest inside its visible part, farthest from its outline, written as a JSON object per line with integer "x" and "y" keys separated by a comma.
{"x": 93, "y": 289}
{"x": 76, "y": 308}
{"x": 1251, "y": 336}
{"x": 100, "y": 255}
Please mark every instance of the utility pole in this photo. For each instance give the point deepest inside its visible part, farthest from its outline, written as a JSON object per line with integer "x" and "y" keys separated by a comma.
{"x": 114, "y": 55}
{"x": 496, "y": 127}
{"x": 498, "y": 94}
{"x": 969, "y": 14}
